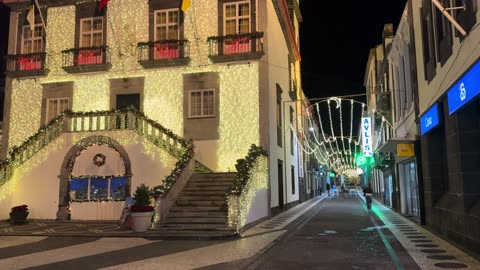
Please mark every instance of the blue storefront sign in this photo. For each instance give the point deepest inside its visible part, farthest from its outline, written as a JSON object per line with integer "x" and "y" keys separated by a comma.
{"x": 465, "y": 90}
{"x": 429, "y": 120}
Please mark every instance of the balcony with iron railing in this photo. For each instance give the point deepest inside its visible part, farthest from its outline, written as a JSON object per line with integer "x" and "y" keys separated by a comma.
{"x": 231, "y": 48}
{"x": 26, "y": 65}
{"x": 82, "y": 60}
{"x": 163, "y": 53}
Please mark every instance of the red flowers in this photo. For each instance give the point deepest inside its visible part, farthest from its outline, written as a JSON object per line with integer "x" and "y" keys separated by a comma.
{"x": 141, "y": 208}
{"x": 20, "y": 208}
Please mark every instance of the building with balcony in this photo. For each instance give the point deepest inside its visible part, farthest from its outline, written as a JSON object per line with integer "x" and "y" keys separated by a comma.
{"x": 100, "y": 100}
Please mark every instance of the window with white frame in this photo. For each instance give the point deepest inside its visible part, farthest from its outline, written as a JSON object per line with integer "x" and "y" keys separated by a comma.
{"x": 237, "y": 17}
{"x": 91, "y": 35}
{"x": 167, "y": 24}
{"x": 201, "y": 103}
{"x": 55, "y": 106}
{"x": 32, "y": 41}
{"x": 237, "y": 21}
{"x": 91, "y": 32}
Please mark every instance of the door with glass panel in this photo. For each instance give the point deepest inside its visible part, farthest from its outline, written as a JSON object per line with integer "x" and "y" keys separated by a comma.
{"x": 32, "y": 46}
{"x": 91, "y": 42}
{"x": 237, "y": 22}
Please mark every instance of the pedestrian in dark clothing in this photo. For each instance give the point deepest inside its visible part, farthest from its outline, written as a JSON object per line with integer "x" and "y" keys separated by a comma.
{"x": 328, "y": 189}
{"x": 368, "y": 192}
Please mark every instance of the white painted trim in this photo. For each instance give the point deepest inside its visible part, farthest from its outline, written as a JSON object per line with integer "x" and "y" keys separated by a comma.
{"x": 92, "y": 32}
{"x": 237, "y": 17}
{"x": 202, "y": 91}
{"x": 167, "y": 24}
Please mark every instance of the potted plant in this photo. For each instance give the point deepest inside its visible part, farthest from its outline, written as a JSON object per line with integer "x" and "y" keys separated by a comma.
{"x": 18, "y": 214}
{"x": 141, "y": 211}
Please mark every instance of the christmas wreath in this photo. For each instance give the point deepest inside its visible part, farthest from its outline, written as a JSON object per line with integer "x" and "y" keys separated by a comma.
{"x": 99, "y": 160}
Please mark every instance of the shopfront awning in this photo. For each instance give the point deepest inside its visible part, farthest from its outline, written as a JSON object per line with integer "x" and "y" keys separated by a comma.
{"x": 391, "y": 145}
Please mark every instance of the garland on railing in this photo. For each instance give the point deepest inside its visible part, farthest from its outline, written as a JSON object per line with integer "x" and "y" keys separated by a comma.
{"x": 103, "y": 48}
{"x": 159, "y": 190}
{"x": 253, "y": 35}
{"x": 166, "y": 41}
{"x": 244, "y": 167}
{"x": 169, "y": 181}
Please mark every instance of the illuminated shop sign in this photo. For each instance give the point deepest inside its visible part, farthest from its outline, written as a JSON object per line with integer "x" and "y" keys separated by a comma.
{"x": 467, "y": 88}
{"x": 367, "y": 136}
{"x": 429, "y": 120}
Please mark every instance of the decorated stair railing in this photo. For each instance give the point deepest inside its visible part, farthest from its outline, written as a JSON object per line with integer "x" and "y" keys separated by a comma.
{"x": 127, "y": 119}
{"x": 251, "y": 179}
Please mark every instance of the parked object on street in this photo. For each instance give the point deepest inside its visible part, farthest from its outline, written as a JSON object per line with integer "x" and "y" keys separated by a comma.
{"x": 18, "y": 214}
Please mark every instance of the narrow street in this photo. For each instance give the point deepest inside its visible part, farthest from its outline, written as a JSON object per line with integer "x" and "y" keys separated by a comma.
{"x": 322, "y": 233}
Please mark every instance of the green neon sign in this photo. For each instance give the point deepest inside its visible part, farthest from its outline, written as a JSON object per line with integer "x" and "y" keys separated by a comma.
{"x": 361, "y": 160}
{"x": 332, "y": 174}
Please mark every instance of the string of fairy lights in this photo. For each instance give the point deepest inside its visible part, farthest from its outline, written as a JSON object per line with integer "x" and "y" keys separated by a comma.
{"x": 331, "y": 138}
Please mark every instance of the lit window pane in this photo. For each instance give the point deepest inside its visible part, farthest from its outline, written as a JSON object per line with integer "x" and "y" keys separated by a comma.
{"x": 86, "y": 40}
{"x": 208, "y": 103}
{"x": 27, "y": 33}
{"x": 173, "y": 17}
{"x": 37, "y": 45}
{"x": 98, "y": 24}
{"x": 230, "y": 11}
{"x": 161, "y": 33}
{"x": 97, "y": 39}
{"x": 161, "y": 18}
{"x": 230, "y": 27}
{"x": 86, "y": 26}
{"x": 172, "y": 32}
{"x": 244, "y": 9}
{"x": 244, "y": 26}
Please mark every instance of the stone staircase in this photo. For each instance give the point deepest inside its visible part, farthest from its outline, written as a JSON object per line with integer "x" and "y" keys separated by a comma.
{"x": 201, "y": 210}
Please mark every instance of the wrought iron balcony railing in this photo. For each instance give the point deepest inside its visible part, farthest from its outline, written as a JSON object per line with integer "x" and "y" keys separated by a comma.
{"x": 25, "y": 65}
{"x": 91, "y": 59}
{"x": 247, "y": 46}
{"x": 163, "y": 53}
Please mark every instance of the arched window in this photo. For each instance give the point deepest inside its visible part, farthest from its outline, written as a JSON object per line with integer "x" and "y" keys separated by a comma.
{"x": 98, "y": 174}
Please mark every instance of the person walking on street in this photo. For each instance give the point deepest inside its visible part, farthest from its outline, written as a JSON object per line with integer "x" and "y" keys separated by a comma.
{"x": 368, "y": 192}
{"x": 328, "y": 189}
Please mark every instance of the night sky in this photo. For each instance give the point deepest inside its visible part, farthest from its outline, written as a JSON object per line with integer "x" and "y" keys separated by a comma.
{"x": 346, "y": 30}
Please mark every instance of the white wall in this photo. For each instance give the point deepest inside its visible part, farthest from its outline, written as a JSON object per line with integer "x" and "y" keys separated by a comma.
{"x": 278, "y": 73}
{"x": 36, "y": 182}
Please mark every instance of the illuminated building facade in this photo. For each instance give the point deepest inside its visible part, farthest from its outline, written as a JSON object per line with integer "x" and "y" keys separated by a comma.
{"x": 218, "y": 73}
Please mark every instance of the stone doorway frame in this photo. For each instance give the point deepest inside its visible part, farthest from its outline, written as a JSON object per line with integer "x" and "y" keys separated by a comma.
{"x": 69, "y": 161}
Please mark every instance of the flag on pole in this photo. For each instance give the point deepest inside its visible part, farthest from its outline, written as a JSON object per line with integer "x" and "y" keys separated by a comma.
{"x": 31, "y": 17}
{"x": 103, "y": 3}
{"x": 185, "y": 5}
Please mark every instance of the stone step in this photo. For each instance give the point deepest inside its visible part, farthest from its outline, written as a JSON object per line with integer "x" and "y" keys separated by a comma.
{"x": 213, "y": 208}
{"x": 207, "y": 188}
{"x": 200, "y": 198}
{"x": 221, "y": 221}
{"x": 204, "y": 193}
{"x": 200, "y": 203}
{"x": 209, "y": 184}
{"x": 215, "y": 175}
{"x": 187, "y": 234}
{"x": 197, "y": 214}
{"x": 194, "y": 226}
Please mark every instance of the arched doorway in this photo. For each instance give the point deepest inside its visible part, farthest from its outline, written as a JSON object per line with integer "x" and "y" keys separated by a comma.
{"x": 99, "y": 164}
